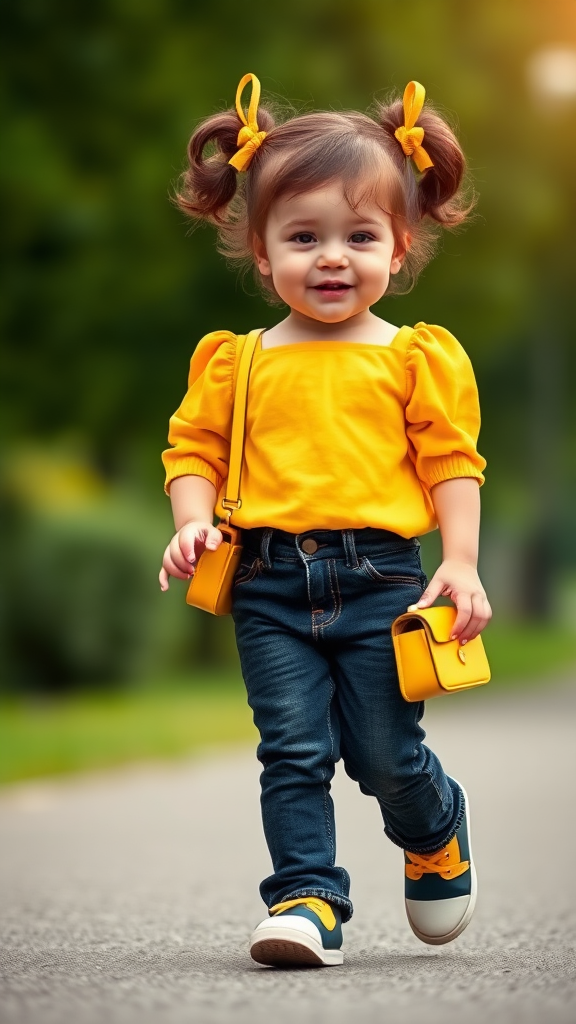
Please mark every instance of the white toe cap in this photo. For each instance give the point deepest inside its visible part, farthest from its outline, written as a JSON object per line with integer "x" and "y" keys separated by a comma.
{"x": 291, "y": 923}
{"x": 437, "y": 918}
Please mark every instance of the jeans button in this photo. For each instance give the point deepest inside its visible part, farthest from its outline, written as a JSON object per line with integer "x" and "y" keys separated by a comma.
{"x": 309, "y": 546}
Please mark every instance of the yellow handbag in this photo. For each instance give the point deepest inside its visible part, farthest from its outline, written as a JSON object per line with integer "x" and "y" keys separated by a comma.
{"x": 429, "y": 663}
{"x": 211, "y": 585}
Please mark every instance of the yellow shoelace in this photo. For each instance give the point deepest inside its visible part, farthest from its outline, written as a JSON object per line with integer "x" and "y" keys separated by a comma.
{"x": 445, "y": 862}
{"x": 320, "y": 907}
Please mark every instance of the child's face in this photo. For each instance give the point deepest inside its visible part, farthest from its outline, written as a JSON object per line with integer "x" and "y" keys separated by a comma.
{"x": 328, "y": 261}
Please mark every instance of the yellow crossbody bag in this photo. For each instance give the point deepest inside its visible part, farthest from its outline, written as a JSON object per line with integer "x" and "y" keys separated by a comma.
{"x": 211, "y": 585}
{"x": 429, "y": 663}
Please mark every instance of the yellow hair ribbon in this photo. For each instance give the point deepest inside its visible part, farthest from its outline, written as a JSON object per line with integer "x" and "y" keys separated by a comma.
{"x": 249, "y": 137}
{"x": 409, "y": 137}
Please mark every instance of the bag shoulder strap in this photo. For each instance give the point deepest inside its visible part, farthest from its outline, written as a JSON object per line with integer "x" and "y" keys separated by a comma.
{"x": 232, "y": 499}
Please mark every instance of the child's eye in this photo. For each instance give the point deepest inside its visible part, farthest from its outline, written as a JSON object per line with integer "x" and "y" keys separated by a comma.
{"x": 360, "y": 236}
{"x": 304, "y": 238}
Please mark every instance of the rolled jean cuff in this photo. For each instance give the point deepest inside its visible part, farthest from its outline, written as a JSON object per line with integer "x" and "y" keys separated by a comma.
{"x": 344, "y": 904}
{"x": 435, "y": 842}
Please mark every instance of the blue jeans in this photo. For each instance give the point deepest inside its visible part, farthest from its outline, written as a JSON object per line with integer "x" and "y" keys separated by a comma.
{"x": 312, "y": 614}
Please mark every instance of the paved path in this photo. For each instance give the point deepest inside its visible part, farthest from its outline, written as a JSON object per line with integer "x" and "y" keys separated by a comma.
{"x": 129, "y": 896}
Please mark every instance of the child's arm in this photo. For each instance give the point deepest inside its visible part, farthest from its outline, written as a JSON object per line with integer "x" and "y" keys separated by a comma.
{"x": 457, "y": 506}
{"x": 193, "y": 499}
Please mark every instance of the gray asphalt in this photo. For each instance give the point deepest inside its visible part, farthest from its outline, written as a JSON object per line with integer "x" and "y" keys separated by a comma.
{"x": 129, "y": 896}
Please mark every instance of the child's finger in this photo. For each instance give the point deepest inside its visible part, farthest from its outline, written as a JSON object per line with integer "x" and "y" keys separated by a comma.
{"x": 472, "y": 629}
{"x": 186, "y": 548}
{"x": 464, "y": 606}
{"x": 178, "y": 558}
{"x": 170, "y": 566}
{"x": 192, "y": 541}
{"x": 482, "y": 613}
{"x": 433, "y": 590}
{"x": 213, "y": 538}
{"x": 476, "y": 611}
{"x": 164, "y": 579}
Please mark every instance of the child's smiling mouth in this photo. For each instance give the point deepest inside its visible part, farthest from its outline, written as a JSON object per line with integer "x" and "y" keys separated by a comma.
{"x": 332, "y": 287}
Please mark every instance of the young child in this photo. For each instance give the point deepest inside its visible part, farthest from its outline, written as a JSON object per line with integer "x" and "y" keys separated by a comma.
{"x": 360, "y": 436}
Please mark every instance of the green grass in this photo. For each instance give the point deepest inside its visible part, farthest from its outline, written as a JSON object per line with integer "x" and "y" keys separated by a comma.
{"x": 87, "y": 731}
{"x": 99, "y": 730}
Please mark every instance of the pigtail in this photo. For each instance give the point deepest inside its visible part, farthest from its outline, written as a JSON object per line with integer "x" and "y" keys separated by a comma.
{"x": 441, "y": 192}
{"x": 444, "y": 193}
{"x": 210, "y": 183}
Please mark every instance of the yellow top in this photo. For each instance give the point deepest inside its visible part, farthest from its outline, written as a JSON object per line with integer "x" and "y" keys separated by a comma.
{"x": 339, "y": 434}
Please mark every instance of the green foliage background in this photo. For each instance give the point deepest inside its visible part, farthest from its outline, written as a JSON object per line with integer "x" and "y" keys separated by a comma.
{"x": 105, "y": 291}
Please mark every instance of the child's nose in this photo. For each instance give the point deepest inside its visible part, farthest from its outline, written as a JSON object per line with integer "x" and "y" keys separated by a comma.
{"x": 332, "y": 256}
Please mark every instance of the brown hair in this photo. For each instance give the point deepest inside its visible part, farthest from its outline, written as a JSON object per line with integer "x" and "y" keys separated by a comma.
{"x": 307, "y": 151}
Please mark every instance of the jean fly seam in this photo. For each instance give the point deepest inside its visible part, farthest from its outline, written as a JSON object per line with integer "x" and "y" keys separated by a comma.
{"x": 335, "y": 591}
{"x": 314, "y": 628}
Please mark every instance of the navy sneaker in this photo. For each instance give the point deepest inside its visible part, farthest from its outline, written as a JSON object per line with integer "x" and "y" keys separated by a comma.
{"x": 441, "y": 887}
{"x": 301, "y": 932}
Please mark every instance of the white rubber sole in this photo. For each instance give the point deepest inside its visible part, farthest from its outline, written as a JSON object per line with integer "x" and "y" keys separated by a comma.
{"x": 291, "y": 943}
{"x": 440, "y": 940}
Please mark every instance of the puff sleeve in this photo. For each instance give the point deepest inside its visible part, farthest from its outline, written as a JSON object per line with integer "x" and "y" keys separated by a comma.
{"x": 442, "y": 408}
{"x": 200, "y": 429}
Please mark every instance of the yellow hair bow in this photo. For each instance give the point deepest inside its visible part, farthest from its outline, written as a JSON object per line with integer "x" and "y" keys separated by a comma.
{"x": 409, "y": 137}
{"x": 249, "y": 137}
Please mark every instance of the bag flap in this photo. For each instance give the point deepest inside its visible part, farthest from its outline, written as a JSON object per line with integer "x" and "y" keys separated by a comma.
{"x": 439, "y": 620}
{"x": 458, "y": 666}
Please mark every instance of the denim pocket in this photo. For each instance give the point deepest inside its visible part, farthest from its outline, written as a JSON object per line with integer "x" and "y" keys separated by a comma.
{"x": 249, "y": 568}
{"x": 393, "y": 574}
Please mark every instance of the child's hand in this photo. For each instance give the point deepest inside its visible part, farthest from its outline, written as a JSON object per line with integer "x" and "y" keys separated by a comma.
{"x": 460, "y": 582}
{"x": 185, "y": 549}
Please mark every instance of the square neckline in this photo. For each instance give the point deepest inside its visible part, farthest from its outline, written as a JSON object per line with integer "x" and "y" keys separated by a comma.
{"x": 331, "y": 341}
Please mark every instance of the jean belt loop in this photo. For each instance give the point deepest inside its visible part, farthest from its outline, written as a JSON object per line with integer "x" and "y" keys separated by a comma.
{"x": 265, "y": 547}
{"x": 350, "y": 549}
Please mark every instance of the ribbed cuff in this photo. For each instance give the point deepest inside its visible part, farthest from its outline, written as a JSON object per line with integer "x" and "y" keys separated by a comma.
{"x": 192, "y": 465}
{"x": 449, "y": 467}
